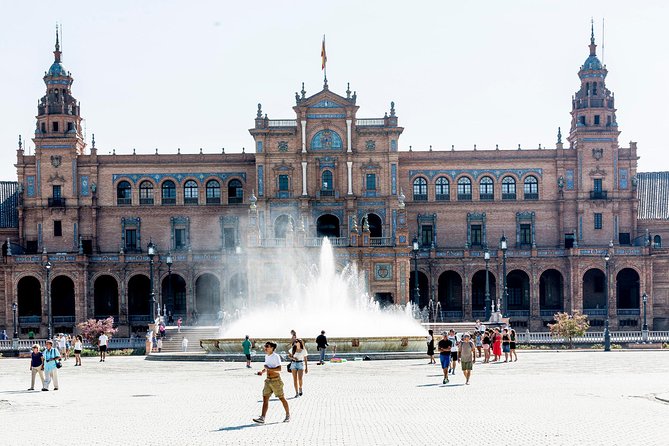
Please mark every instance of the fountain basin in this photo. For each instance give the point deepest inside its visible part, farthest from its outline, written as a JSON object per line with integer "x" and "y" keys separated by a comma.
{"x": 347, "y": 346}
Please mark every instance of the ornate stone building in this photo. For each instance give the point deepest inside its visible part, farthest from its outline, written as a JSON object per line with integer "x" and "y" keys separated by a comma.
{"x": 78, "y": 223}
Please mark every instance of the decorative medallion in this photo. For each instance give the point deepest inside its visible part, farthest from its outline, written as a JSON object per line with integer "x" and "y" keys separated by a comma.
{"x": 383, "y": 271}
{"x": 597, "y": 154}
{"x": 370, "y": 144}
{"x": 326, "y": 139}
{"x": 56, "y": 160}
{"x": 283, "y": 146}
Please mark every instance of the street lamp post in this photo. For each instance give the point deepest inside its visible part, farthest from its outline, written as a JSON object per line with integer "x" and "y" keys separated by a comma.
{"x": 416, "y": 289}
{"x": 504, "y": 300}
{"x": 169, "y": 260}
{"x": 47, "y": 291}
{"x": 486, "y": 257}
{"x": 16, "y": 332}
{"x": 151, "y": 250}
{"x": 607, "y": 333}
{"x": 644, "y": 328}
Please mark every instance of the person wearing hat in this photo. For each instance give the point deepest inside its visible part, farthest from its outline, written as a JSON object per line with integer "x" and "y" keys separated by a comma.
{"x": 36, "y": 366}
{"x": 444, "y": 347}
{"x": 467, "y": 355}
{"x": 51, "y": 356}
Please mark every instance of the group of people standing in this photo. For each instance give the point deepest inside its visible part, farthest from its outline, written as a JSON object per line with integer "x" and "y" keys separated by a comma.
{"x": 499, "y": 343}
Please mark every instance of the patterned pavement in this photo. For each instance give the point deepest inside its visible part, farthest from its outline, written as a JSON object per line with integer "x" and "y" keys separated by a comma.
{"x": 556, "y": 398}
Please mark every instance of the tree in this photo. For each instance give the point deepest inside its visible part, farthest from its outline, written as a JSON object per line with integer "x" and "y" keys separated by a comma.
{"x": 92, "y": 329}
{"x": 569, "y": 326}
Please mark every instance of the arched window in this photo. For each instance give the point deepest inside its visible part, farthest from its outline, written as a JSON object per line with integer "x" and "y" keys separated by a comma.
{"x": 327, "y": 186}
{"x": 145, "y": 192}
{"x": 442, "y": 189}
{"x": 486, "y": 189}
{"x": 420, "y": 189}
{"x": 657, "y": 241}
{"x": 508, "y": 188}
{"x": 235, "y": 192}
{"x": 531, "y": 188}
{"x": 190, "y": 192}
{"x": 464, "y": 188}
{"x": 213, "y": 189}
{"x": 168, "y": 193}
{"x": 123, "y": 193}
{"x": 326, "y": 140}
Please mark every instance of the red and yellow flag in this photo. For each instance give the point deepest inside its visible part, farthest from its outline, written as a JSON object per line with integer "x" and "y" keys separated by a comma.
{"x": 324, "y": 57}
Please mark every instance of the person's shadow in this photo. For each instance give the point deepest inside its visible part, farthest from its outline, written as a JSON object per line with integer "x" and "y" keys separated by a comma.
{"x": 243, "y": 426}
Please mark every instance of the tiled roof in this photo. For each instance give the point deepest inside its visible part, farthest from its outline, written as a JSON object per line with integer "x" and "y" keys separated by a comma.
{"x": 653, "y": 194}
{"x": 9, "y": 200}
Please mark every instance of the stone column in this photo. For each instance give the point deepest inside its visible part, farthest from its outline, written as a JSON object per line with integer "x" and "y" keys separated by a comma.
{"x": 349, "y": 165}
{"x": 348, "y": 135}
{"x": 304, "y": 136}
{"x": 304, "y": 178}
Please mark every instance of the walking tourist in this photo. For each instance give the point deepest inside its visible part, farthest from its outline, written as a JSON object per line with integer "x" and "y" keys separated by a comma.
{"x": 179, "y": 325}
{"x": 102, "y": 345}
{"x": 466, "y": 356}
{"x": 299, "y": 365}
{"x": 293, "y": 337}
{"x": 246, "y": 345}
{"x": 506, "y": 344}
{"x": 512, "y": 345}
{"x": 68, "y": 345}
{"x": 486, "y": 341}
{"x": 36, "y": 366}
{"x": 62, "y": 345}
{"x": 78, "y": 346}
{"x": 430, "y": 346}
{"x": 479, "y": 342}
{"x": 161, "y": 329}
{"x": 159, "y": 344}
{"x": 444, "y": 347}
{"x": 31, "y": 334}
{"x": 496, "y": 345}
{"x": 321, "y": 345}
{"x": 51, "y": 357}
{"x": 170, "y": 318}
{"x": 454, "y": 350}
{"x": 184, "y": 345}
{"x": 3, "y": 335}
{"x": 273, "y": 383}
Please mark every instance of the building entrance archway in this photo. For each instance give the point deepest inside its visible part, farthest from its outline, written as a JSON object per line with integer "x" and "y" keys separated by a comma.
{"x": 478, "y": 290}
{"x": 105, "y": 297}
{"x": 327, "y": 225}
{"x": 207, "y": 294}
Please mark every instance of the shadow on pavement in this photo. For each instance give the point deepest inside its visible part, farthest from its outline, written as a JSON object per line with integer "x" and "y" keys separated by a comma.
{"x": 243, "y": 426}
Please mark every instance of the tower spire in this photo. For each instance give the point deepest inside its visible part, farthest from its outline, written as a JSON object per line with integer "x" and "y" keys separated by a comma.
{"x": 593, "y": 47}
{"x": 57, "y": 52}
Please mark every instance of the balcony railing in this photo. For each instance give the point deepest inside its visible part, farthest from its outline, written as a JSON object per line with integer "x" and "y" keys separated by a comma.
{"x": 531, "y": 196}
{"x": 56, "y": 202}
{"x": 190, "y": 200}
{"x": 29, "y": 320}
{"x": 327, "y": 193}
{"x": 213, "y": 200}
{"x": 487, "y": 197}
{"x": 370, "y": 122}
{"x": 599, "y": 194}
{"x": 235, "y": 200}
{"x": 548, "y": 313}
{"x": 508, "y": 196}
{"x": 442, "y": 197}
{"x": 123, "y": 201}
{"x": 63, "y": 319}
{"x": 318, "y": 241}
{"x": 381, "y": 241}
{"x": 628, "y": 311}
{"x": 594, "y": 311}
{"x": 273, "y": 242}
{"x": 282, "y": 123}
{"x": 146, "y": 201}
{"x": 478, "y": 314}
{"x": 168, "y": 201}
{"x": 518, "y": 313}
{"x": 464, "y": 197}
{"x": 456, "y": 314}
{"x": 419, "y": 197}
{"x": 137, "y": 318}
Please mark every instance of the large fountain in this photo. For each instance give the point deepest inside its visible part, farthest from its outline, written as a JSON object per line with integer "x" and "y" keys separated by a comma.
{"x": 315, "y": 298}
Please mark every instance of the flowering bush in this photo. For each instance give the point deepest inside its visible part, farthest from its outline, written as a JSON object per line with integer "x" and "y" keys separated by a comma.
{"x": 569, "y": 326}
{"x": 92, "y": 329}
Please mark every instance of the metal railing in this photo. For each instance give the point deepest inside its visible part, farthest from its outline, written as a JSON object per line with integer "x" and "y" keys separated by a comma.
{"x": 464, "y": 197}
{"x": 508, "y": 196}
{"x": 478, "y": 314}
{"x": 282, "y": 123}
{"x": 381, "y": 241}
{"x": 592, "y": 337}
{"x": 56, "y": 202}
{"x": 594, "y": 311}
{"x": 486, "y": 197}
{"x": 531, "y": 196}
{"x": 549, "y": 313}
{"x": 370, "y": 122}
{"x": 114, "y": 343}
{"x": 121, "y": 201}
{"x": 442, "y": 197}
{"x": 450, "y": 314}
{"x": 63, "y": 319}
{"x": 419, "y": 197}
{"x": 599, "y": 194}
{"x": 27, "y": 320}
{"x": 139, "y": 318}
{"x": 628, "y": 311}
{"x": 273, "y": 242}
{"x": 518, "y": 313}
{"x": 318, "y": 241}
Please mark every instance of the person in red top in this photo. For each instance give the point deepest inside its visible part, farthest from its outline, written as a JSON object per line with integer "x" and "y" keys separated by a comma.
{"x": 496, "y": 344}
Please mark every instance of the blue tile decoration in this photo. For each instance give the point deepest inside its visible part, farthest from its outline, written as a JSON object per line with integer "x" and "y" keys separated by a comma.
{"x": 383, "y": 271}
{"x": 326, "y": 103}
{"x": 393, "y": 179}
{"x": 569, "y": 174}
{"x": 84, "y": 185}
{"x": 624, "y": 177}
{"x": 326, "y": 140}
{"x": 326, "y": 116}
{"x": 30, "y": 186}
{"x": 258, "y": 146}
{"x": 261, "y": 180}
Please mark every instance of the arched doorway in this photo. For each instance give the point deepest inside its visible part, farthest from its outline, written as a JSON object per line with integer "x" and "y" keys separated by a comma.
{"x": 237, "y": 290}
{"x": 139, "y": 299}
{"x": 423, "y": 289}
{"x": 551, "y": 291}
{"x": 450, "y": 294}
{"x": 518, "y": 291}
{"x": 327, "y": 225}
{"x": 105, "y": 297}
{"x": 478, "y": 291}
{"x": 375, "y": 225}
{"x": 282, "y": 225}
{"x": 29, "y": 300}
{"x": 174, "y": 295}
{"x": 207, "y": 295}
{"x": 62, "y": 303}
{"x": 594, "y": 286}
{"x": 627, "y": 289}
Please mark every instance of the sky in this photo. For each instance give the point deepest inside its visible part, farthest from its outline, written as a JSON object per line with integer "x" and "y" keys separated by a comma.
{"x": 189, "y": 74}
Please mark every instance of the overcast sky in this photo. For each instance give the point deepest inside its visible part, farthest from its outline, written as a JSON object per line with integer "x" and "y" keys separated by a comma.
{"x": 183, "y": 74}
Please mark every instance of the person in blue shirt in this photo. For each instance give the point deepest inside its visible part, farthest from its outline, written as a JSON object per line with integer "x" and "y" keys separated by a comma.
{"x": 36, "y": 366}
{"x": 246, "y": 345}
{"x": 51, "y": 356}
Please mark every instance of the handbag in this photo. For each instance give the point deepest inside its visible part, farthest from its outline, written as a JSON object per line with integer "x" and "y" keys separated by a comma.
{"x": 58, "y": 364}
{"x": 288, "y": 368}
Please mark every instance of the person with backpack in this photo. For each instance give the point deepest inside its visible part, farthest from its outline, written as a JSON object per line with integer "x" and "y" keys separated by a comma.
{"x": 467, "y": 356}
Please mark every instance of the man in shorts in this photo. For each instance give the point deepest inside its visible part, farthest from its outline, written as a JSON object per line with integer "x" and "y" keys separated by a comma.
{"x": 102, "y": 344}
{"x": 454, "y": 349}
{"x": 467, "y": 356}
{"x": 444, "y": 347}
{"x": 273, "y": 383}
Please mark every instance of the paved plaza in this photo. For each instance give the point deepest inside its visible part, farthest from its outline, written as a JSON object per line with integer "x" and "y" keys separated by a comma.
{"x": 551, "y": 398}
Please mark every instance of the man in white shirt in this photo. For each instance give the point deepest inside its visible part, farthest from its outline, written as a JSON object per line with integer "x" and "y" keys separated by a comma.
{"x": 103, "y": 340}
{"x": 454, "y": 350}
{"x": 273, "y": 383}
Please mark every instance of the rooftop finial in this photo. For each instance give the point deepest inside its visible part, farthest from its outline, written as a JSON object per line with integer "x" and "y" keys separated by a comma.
{"x": 348, "y": 90}
{"x": 259, "y": 114}
{"x": 593, "y": 47}
{"x": 56, "y": 53}
{"x": 304, "y": 93}
{"x": 20, "y": 143}
{"x": 392, "y": 108}
{"x": 93, "y": 140}
{"x": 559, "y": 141}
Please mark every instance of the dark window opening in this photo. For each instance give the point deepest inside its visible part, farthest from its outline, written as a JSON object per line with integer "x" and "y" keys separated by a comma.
{"x": 169, "y": 193}
{"x": 596, "y": 119}
{"x": 370, "y": 181}
{"x": 54, "y": 126}
{"x": 235, "y": 192}
{"x": 568, "y": 241}
{"x": 476, "y": 235}
{"x": 31, "y": 247}
{"x": 283, "y": 183}
{"x": 624, "y": 238}
{"x": 420, "y": 189}
{"x": 57, "y": 228}
{"x": 123, "y": 193}
{"x": 213, "y": 189}
{"x": 146, "y": 193}
{"x": 190, "y": 192}
{"x": 442, "y": 189}
{"x": 598, "y": 221}
{"x": 70, "y": 126}
{"x": 581, "y": 120}
{"x": 179, "y": 238}
{"x": 426, "y": 236}
{"x": 131, "y": 240}
{"x": 229, "y": 238}
{"x": 464, "y": 189}
{"x": 87, "y": 246}
{"x": 525, "y": 234}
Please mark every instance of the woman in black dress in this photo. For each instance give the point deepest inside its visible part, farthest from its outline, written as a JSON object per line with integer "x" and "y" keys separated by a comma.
{"x": 512, "y": 335}
{"x": 486, "y": 346}
{"x": 430, "y": 347}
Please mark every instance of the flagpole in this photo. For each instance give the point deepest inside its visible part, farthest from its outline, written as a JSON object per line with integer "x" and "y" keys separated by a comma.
{"x": 325, "y": 64}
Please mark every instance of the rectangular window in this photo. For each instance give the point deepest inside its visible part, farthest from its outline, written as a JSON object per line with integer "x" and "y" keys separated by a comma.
{"x": 57, "y": 191}
{"x": 608, "y": 121}
{"x": 54, "y": 126}
{"x": 581, "y": 120}
{"x": 70, "y": 126}
{"x": 596, "y": 119}
{"x": 283, "y": 183}
{"x": 179, "y": 238}
{"x": 624, "y": 238}
{"x": 229, "y": 239}
{"x": 476, "y": 235}
{"x": 131, "y": 239}
{"x": 57, "y": 228}
{"x": 598, "y": 221}
{"x": 525, "y": 234}
{"x": 371, "y": 181}
{"x": 43, "y": 127}
{"x": 426, "y": 235}
{"x": 597, "y": 185}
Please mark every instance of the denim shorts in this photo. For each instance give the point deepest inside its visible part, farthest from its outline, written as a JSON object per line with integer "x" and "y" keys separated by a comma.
{"x": 297, "y": 365}
{"x": 506, "y": 348}
{"x": 444, "y": 358}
